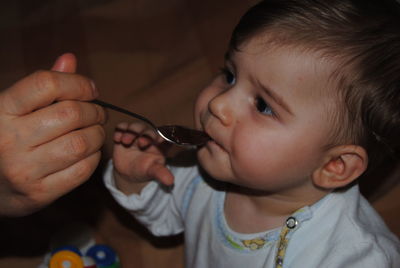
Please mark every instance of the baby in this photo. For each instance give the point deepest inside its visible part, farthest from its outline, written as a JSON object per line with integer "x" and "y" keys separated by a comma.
{"x": 305, "y": 107}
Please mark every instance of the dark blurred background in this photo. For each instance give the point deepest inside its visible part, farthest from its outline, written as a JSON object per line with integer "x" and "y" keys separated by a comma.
{"x": 150, "y": 56}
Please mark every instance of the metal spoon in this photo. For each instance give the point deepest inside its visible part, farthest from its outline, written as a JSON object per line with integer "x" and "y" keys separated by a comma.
{"x": 179, "y": 135}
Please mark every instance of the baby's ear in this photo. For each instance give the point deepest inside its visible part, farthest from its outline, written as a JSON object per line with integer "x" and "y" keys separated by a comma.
{"x": 341, "y": 166}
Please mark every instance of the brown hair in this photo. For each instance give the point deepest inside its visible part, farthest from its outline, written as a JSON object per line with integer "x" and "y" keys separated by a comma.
{"x": 363, "y": 37}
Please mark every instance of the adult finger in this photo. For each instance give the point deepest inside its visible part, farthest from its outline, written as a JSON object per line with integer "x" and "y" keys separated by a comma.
{"x": 65, "y": 63}
{"x": 42, "y": 88}
{"x": 58, "y": 119}
{"x": 65, "y": 151}
{"x": 63, "y": 181}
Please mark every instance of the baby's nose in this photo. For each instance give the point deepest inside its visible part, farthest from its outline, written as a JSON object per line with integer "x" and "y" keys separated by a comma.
{"x": 221, "y": 107}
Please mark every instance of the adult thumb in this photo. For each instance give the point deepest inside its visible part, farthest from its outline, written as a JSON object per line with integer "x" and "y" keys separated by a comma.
{"x": 65, "y": 63}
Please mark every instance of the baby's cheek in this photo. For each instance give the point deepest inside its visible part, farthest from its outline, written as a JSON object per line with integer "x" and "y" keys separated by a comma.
{"x": 249, "y": 162}
{"x": 258, "y": 158}
{"x": 200, "y": 107}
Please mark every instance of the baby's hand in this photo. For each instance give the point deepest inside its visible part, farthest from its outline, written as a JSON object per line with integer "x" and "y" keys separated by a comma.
{"x": 138, "y": 157}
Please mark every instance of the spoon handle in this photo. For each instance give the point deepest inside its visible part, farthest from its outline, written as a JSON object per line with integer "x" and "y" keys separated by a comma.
{"x": 124, "y": 111}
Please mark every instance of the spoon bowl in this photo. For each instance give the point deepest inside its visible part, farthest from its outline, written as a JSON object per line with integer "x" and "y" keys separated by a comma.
{"x": 175, "y": 134}
{"x": 182, "y": 135}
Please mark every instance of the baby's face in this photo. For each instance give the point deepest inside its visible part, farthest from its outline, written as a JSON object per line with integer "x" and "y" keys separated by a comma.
{"x": 269, "y": 115}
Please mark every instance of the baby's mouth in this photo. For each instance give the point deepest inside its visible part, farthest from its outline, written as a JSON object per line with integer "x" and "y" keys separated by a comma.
{"x": 206, "y": 132}
{"x": 203, "y": 137}
{"x": 214, "y": 142}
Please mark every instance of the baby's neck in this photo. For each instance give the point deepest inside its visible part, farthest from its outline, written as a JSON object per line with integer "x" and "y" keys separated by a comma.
{"x": 247, "y": 213}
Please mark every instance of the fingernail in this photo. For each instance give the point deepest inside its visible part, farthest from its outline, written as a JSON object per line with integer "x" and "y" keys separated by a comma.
{"x": 94, "y": 89}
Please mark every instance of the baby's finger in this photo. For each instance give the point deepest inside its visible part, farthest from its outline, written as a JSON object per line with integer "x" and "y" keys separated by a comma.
{"x": 143, "y": 135}
{"x": 148, "y": 138}
{"x": 117, "y": 136}
{"x": 161, "y": 173}
{"x": 123, "y": 126}
{"x": 151, "y": 133}
{"x": 128, "y": 138}
{"x": 144, "y": 142}
{"x": 159, "y": 139}
{"x": 119, "y": 130}
{"x": 139, "y": 128}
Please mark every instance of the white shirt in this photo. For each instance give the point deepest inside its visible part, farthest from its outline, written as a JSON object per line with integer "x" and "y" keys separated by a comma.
{"x": 341, "y": 230}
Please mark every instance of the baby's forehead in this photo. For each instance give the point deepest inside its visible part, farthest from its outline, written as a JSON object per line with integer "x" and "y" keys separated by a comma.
{"x": 323, "y": 63}
{"x": 305, "y": 73}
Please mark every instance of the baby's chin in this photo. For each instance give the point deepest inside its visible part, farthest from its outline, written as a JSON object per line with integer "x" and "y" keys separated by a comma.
{"x": 211, "y": 167}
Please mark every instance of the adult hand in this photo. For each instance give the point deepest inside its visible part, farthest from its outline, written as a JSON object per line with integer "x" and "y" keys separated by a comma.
{"x": 50, "y": 137}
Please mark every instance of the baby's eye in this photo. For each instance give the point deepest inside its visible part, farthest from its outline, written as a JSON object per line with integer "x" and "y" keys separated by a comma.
{"x": 263, "y": 107}
{"x": 229, "y": 76}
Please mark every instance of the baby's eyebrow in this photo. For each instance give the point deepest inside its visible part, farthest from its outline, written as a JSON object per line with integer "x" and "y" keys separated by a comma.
{"x": 275, "y": 97}
{"x": 228, "y": 56}
{"x": 229, "y": 61}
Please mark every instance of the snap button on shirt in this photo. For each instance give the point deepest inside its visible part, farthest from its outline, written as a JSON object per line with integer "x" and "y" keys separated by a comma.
{"x": 291, "y": 222}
